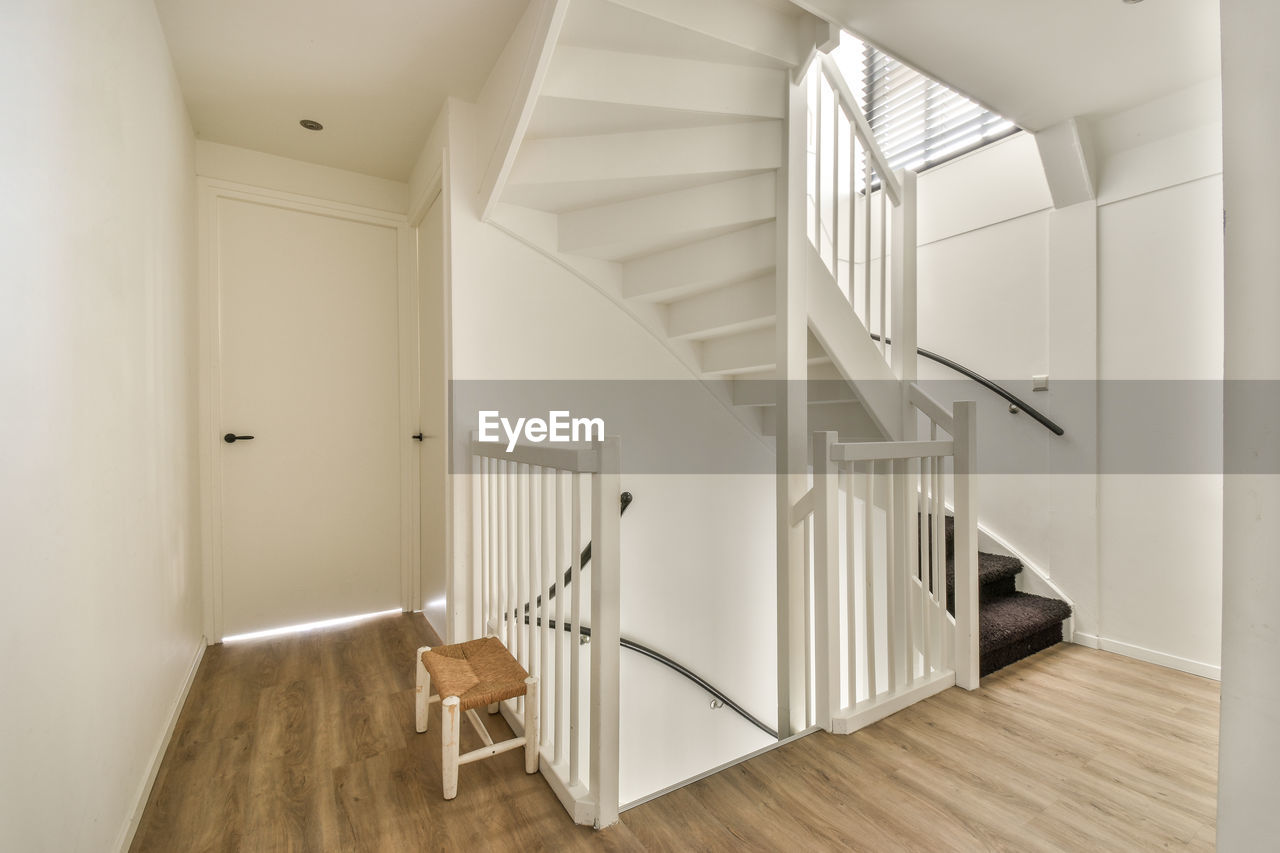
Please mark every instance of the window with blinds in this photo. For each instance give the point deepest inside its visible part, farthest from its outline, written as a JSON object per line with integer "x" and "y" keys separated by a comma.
{"x": 917, "y": 121}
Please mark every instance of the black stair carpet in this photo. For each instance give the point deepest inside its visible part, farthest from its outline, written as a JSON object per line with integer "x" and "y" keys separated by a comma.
{"x": 1012, "y": 625}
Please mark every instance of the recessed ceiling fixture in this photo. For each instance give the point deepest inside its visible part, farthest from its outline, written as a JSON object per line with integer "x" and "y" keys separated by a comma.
{"x": 1132, "y": 2}
{"x": 315, "y": 125}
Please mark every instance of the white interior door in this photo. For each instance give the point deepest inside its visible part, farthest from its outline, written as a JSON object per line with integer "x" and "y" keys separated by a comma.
{"x": 309, "y": 366}
{"x": 434, "y": 417}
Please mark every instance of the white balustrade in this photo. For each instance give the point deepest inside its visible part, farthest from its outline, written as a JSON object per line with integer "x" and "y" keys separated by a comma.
{"x": 532, "y": 509}
{"x": 881, "y": 634}
{"x": 850, "y": 190}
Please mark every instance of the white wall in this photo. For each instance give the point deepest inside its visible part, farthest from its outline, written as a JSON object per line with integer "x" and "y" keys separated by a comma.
{"x": 697, "y": 550}
{"x": 1160, "y": 318}
{"x": 1127, "y": 287}
{"x": 100, "y": 617}
{"x": 1248, "y": 773}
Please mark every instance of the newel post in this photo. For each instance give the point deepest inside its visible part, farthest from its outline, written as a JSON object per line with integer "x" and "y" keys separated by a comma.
{"x": 966, "y": 527}
{"x": 606, "y": 561}
{"x": 826, "y": 578}
{"x": 791, "y": 347}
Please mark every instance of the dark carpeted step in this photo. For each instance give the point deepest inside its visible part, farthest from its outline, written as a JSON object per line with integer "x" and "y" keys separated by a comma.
{"x": 1024, "y": 648}
{"x": 1017, "y": 625}
{"x": 997, "y": 577}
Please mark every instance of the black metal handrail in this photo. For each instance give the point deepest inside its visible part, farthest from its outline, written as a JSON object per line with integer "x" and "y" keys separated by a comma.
{"x": 1016, "y": 402}
{"x": 675, "y": 666}
{"x": 585, "y": 558}
{"x": 627, "y": 643}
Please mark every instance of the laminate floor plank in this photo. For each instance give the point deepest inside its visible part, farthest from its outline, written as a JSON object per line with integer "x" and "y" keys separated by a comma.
{"x": 307, "y": 743}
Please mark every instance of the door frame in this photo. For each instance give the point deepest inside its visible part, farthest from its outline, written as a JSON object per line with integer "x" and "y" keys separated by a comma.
{"x": 210, "y": 191}
{"x": 437, "y": 187}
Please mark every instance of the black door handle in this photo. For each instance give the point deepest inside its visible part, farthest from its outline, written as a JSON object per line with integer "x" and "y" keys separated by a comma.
{"x": 418, "y": 436}
{"x": 232, "y": 438}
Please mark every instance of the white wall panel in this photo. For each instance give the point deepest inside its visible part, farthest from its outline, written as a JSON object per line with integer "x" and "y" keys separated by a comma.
{"x": 99, "y": 532}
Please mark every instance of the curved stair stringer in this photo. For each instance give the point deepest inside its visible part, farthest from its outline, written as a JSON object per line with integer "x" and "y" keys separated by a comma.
{"x": 539, "y": 231}
{"x": 1036, "y": 579}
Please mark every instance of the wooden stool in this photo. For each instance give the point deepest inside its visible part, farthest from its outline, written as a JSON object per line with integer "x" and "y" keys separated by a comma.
{"x": 468, "y": 675}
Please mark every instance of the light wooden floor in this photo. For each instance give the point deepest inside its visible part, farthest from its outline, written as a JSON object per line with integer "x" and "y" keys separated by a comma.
{"x": 306, "y": 743}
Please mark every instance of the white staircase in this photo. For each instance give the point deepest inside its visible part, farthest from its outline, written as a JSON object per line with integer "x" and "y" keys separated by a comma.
{"x": 651, "y": 165}
{"x": 705, "y": 166}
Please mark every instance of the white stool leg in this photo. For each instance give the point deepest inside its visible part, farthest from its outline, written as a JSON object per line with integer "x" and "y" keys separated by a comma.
{"x": 531, "y": 733}
{"x": 450, "y": 732}
{"x": 422, "y": 700}
{"x": 493, "y": 709}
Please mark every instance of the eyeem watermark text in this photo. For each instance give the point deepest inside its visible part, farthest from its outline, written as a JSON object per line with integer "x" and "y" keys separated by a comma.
{"x": 558, "y": 428}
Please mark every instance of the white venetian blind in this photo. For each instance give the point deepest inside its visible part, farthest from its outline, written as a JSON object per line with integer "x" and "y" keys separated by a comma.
{"x": 917, "y": 121}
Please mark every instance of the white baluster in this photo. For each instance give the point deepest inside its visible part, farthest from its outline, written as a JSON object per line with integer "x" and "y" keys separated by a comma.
{"x": 817, "y": 177}
{"x": 893, "y": 624}
{"x": 530, "y": 620}
{"x": 605, "y": 624}
{"x": 866, "y": 244}
{"x": 884, "y": 302}
{"x": 545, "y": 638}
{"x": 562, "y": 560}
{"x": 874, "y": 497}
{"x": 575, "y": 643}
{"x": 850, "y": 589}
{"x": 504, "y": 551}
{"x": 826, "y": 579}
{"x": 925, "y": 562}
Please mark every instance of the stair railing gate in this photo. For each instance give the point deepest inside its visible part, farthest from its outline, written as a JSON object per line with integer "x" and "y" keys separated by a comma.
{"x": 882, "y": 638}
{"x": 529, "y": 508}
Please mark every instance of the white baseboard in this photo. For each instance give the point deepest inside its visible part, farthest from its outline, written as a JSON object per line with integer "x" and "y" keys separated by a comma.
{"x": 144, "y": 791}
{"x": 1206, "y": 670}
{"x": 1081, "y": 639}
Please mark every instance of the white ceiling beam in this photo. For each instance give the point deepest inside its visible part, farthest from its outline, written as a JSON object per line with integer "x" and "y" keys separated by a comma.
{"x": 1065, "y": 155}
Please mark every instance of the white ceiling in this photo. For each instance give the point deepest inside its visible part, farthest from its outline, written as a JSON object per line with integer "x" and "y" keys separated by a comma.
{"x": 1039, "y": 62}
{"x": 373, "y": 72}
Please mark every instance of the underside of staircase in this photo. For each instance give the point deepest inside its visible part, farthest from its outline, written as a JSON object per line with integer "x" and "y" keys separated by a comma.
{"x": 651, "y": 166}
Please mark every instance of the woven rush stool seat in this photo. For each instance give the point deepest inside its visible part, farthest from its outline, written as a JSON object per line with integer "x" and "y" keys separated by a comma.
{"x": 478, "y": 672}
{"x": 469, "y": 675}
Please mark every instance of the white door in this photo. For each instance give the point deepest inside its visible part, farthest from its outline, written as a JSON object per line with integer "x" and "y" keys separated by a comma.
{"x": 310, "y": 506}
{"x": 434, "y": 418}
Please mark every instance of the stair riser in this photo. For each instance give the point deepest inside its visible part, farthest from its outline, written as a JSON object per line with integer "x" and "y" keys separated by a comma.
{"x": 987, "y": 592}
{"x": 998, "y": 659}
{"x": 645, "y": 225}
{"x": 612, "y": 77}
{"x": 700, "y": 151}
{"x": 741, "y": 256}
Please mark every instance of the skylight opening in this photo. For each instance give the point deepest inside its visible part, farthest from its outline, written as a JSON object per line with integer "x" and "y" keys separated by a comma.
{"x": 917, "y": 121}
